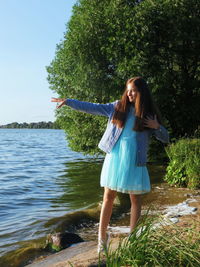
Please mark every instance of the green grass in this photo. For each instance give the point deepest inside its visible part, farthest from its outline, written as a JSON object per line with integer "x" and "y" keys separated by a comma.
{"x": 166, "y": 246}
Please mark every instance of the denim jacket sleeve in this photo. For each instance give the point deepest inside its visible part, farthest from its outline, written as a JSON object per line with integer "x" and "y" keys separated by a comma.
{"x": 161, "y": 134}
{"x": 91, "y": 108}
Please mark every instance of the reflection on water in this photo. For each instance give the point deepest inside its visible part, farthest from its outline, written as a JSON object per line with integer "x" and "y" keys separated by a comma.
{"x": 80, "y": 184}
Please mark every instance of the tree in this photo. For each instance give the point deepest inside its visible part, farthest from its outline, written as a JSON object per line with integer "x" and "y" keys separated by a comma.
{"x": 108, "y": 41}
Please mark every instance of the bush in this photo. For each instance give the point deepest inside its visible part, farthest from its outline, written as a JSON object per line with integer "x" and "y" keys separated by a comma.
{"x": 184, "y": 166}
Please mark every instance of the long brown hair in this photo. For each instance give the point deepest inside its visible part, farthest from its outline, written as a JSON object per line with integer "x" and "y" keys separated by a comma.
{"x": 144, "y": 105}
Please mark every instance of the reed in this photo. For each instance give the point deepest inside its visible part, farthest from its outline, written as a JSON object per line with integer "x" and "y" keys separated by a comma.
{"x": 150, "y": 246}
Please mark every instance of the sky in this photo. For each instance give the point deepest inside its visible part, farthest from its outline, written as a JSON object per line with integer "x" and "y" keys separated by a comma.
{"x": 29, "y": 32}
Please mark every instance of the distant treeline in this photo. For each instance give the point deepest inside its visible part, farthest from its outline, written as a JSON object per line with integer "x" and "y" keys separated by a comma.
{"x": 32, "y": 125}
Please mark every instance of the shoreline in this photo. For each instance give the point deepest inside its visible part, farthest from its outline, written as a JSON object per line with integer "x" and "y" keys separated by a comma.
{"x": 85, "y": 254}
{"x": 162, "y": 197}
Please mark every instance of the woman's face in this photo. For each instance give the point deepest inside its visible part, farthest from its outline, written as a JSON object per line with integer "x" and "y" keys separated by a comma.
{"x": 131, "y": 92}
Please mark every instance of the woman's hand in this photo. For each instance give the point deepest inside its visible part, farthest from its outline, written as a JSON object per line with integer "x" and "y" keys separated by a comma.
{"x": 151, "y": 123}
{"x": 59, "y": 100}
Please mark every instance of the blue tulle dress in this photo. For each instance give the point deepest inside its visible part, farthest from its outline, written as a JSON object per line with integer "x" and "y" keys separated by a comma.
{"x": 119, "y": 171}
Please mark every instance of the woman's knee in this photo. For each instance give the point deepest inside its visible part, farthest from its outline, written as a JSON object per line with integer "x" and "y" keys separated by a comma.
{"x": 135, "y": 199}
{"x": 109, "y": 195}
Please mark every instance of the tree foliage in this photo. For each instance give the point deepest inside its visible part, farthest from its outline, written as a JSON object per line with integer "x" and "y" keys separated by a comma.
{"x": 109, "y": 41}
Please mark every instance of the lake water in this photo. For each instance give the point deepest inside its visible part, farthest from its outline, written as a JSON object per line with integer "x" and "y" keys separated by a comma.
{"x": 40, "y": 179}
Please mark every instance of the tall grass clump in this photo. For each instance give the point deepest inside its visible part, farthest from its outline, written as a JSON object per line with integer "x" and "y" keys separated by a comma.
{"x": 184, "y": 166}
{"x": 150, "y": 246}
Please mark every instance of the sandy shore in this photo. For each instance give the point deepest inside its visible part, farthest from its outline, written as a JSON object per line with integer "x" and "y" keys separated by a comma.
{"x": 85, "y": 254}
{"x": 81, "y": 255}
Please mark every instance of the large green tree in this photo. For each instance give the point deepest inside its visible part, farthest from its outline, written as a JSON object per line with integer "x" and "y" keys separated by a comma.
{"x": 109, "y": 41}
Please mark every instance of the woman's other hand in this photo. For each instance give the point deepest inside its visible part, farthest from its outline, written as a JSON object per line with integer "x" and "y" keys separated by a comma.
{"x": 59, "y": 100}
{"x": 151, "y": 123}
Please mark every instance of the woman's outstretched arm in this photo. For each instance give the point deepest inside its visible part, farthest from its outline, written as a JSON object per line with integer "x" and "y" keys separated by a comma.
{"x": 92, "y": 108}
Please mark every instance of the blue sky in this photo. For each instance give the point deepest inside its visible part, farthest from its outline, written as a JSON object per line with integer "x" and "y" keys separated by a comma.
{"x": 29, "y": 32}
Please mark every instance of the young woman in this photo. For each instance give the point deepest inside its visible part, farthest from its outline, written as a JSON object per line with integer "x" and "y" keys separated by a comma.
{"x": 132, "y": 121}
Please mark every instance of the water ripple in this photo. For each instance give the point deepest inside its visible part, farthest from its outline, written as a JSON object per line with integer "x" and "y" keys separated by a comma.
{"x": 40, "y": 178}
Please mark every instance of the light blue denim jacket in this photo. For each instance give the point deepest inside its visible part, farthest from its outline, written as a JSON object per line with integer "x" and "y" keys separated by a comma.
{"x": 112, "y": 132}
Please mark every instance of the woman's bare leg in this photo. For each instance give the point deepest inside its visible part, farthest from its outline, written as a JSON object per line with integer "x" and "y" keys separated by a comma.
{"x": 106, "y": 211}
{"x": 136, "y": 203}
